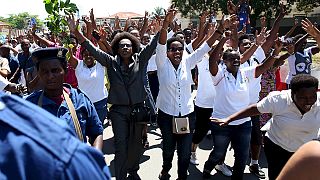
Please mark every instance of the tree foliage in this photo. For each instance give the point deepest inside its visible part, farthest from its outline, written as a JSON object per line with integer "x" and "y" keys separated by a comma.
{"x": 158, "y": 11}
{"x": 268, "y": 8}
{"x": 21, "y": 20}
{"x": 57, "y": 10}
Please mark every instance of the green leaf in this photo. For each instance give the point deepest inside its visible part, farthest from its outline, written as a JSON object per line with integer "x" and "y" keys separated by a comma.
{"x": 49, "y": 8}
{"x": 47, "y": 1}
{"x": 67, "y": 2}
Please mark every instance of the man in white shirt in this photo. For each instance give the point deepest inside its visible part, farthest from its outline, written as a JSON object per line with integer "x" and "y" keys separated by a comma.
{"x": 295, "y": 120}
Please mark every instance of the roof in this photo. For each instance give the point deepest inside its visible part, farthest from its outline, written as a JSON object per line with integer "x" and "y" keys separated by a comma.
{"x": 126, "y": 15}
{"x": 4, "y": 24}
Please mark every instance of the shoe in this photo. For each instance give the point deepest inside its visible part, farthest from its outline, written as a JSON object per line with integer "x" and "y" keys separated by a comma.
{"x": 193, "y": 158}
{"x": 223, "y": 168}
{"x": 256, "y": 170}
{"x": 206, "y": 174}
{"x": 164, "y": 176}
{"x": 133, "y": 176}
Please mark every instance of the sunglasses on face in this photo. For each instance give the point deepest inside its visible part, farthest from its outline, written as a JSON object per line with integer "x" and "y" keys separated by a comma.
{"x": 125, "y": 45}
{"x": 174, "y": 49}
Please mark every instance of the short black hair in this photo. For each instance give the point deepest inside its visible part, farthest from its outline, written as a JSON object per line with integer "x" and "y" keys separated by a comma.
{"x": 173, "y": 39}
{"x": 125, "y": 35}
{"x": 178, "y": 32}
{"x": 227, "y": 53}
{"x": 242, "y": 37}
{"x": 303, "y": 81}
{"x": 186, "y": 29}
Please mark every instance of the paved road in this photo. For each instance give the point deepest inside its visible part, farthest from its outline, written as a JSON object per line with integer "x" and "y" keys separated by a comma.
{"x": 151, "y": 161}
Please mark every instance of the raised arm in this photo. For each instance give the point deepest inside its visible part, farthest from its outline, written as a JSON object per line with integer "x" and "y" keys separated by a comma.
{"x": 197, "y": 41}
{"x": 42, "y": 40}
{"x": 260, "y": 39}
{"x": 164, "y": 30}
{"x": 295, "y": 25}
{"x": 145, "y": 24}
{"x": 98, "y": 54}
{"x": 268, "y": 63}
{"x": 274, "y": 30}
{"x": 215, "y": 55}
{"x": 313, "y": 31}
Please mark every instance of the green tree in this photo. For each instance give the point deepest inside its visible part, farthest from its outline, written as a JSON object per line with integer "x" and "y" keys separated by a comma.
{"x": 57, "y": 11}
{"x": 195, "y": 7}
{"x": 307, "y": 5}
{"x": 158, "y": 11}
{"x": 21, "y": 20}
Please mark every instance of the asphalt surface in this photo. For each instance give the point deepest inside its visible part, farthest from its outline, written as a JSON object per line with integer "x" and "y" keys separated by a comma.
{"x": 151, "y": 161}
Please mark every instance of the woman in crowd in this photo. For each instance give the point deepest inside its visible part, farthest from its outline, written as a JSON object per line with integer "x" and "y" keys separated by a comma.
{"x": 127, "y": 95}
{"x": 90, "y": 75}
{"x": 295, "y": 114}
{"x": 174, "y": 99}
{"x": 63, "y": 101}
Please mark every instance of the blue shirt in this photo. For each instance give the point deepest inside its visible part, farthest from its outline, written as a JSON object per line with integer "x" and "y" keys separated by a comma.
{"x": 87, "y": 115}
{"x": 36, "y": 145}
{"x": 14, "y": 65}
{"x": 25, "y": 61}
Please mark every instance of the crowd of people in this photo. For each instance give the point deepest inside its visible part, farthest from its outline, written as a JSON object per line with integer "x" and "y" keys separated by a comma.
{"x": 146, "y": 72}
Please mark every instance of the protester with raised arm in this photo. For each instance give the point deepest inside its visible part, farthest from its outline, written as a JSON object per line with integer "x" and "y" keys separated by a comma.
{"x": 126, "y": 94}
{"x": 174, "y": 101}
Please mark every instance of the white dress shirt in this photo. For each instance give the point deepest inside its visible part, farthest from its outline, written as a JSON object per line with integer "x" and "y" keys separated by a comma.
{"x": 290, "y": 129}
{"x": 3, "y": 83}
{"x": 175, "y": 85}
{"x": 232, "y": 93}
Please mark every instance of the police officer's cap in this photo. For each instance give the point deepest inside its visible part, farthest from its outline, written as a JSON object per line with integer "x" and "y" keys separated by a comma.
{"x": 49, "y": 54}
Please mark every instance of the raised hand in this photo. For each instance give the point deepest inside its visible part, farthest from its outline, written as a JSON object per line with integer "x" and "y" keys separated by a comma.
{"x": 170, "y": 15}
{"x": 227, "y": 34}
{"x": 310, "y": 28}
{"x": 263, "y": 21}
{"x": 232, "y": 9}
{"x": 203, "y": 16}
{"x": 233, "y": 22}
{"x": 72, "y": 24}
{"x": 261, "y": 38}
{"x": 283, "y": 9}
{"x": 296, "y": 22}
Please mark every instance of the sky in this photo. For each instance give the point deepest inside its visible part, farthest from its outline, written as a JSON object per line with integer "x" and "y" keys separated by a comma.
{"x": 101, "y": 8}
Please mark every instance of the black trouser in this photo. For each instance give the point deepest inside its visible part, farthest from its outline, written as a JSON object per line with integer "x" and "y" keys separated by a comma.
{"x": 127, "y": 141}
{"x": 256, "y": 134}
{"x": 276, "y": 156}
{"x": 202, "y": 123}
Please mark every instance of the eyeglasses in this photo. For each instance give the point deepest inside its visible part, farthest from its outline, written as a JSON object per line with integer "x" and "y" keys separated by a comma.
{"x": 174, "y": 49}
{"x": 125, "y": 45}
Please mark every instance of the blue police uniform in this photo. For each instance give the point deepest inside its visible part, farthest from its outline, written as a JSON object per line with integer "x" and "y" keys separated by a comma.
{"x": 90, "y": 123}
{"x": 36, "y": 145}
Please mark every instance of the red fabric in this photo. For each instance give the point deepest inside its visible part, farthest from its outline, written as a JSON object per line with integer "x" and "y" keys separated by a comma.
{"x": 70, "y": 77}
{"x": 279, "y": 84}
{"x": 59, "y": 99}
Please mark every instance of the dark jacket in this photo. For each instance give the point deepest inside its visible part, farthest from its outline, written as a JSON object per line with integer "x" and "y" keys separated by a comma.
{"x": 120, "y": 91}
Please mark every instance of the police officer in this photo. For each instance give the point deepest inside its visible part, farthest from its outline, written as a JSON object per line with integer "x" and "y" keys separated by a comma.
{"x": 36, "y": 145}
{"x": 63, "y": 101}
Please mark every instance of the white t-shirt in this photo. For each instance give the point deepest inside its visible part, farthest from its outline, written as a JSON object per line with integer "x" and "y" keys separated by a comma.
{"x": 299, "y": 64}
{"x": 3, "y": 83}
{"x": 255, "y": 86}
{"x": 91, "y": 81}
{"x": 232, "y": 93}
{"x": 206, "y": 90}
{"x": 290, "y": 129}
